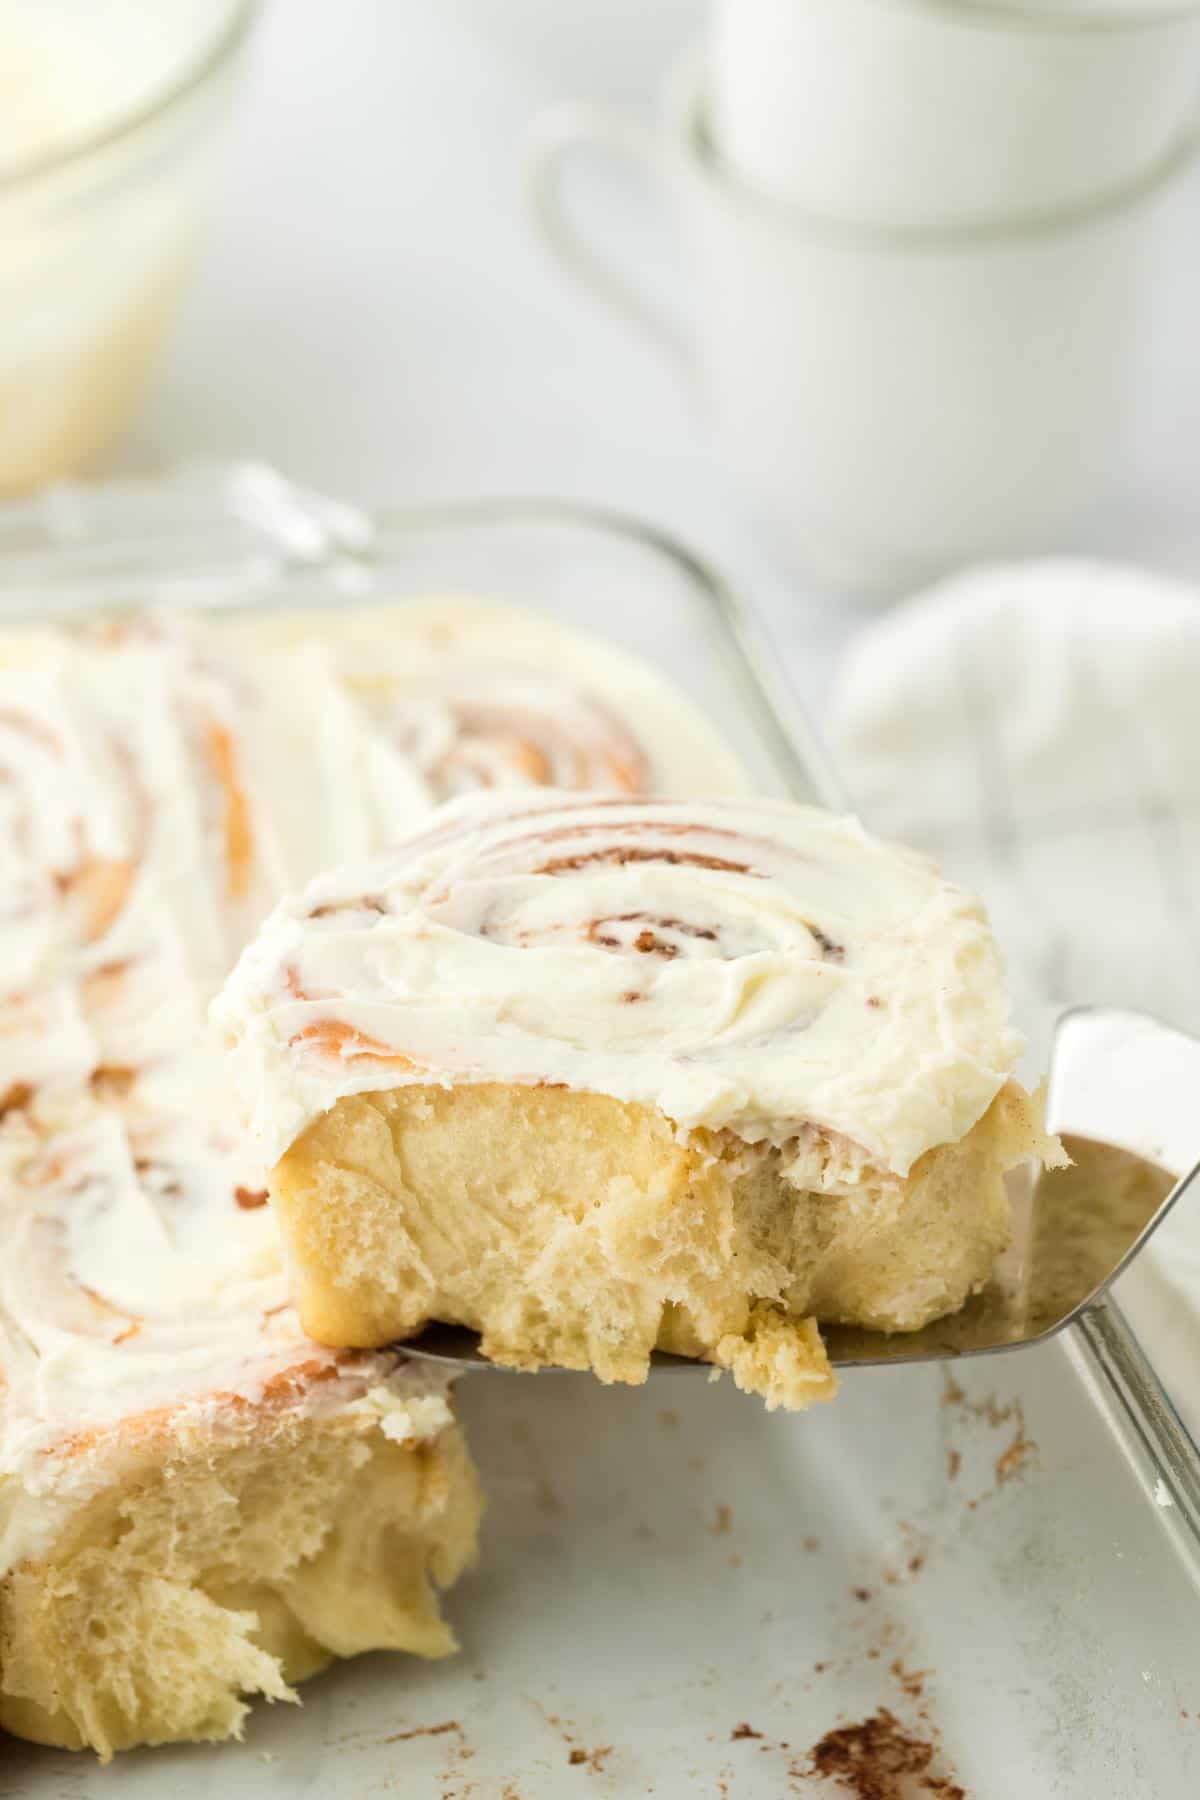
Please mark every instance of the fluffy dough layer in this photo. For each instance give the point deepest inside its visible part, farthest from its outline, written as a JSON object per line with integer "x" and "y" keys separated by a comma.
{"x": 576, "y": 1229}
{"x": 231, "y": 1559}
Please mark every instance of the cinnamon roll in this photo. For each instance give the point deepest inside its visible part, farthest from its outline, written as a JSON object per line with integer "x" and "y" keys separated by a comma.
{"x": 197, "y": 1502}
{"x": 479, "y": 695}
{"x": 595, "y": 1074}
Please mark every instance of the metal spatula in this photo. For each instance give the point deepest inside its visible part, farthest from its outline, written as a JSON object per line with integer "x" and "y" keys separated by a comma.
{"x": 1124, "y": 1095}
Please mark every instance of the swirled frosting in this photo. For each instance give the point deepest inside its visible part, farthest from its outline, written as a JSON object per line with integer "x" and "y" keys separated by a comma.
{"x": 139, "y": 844}
{"x": 741, "y": 964}
{"x": 160, "y": 786}
{"x": 483, "y": 696}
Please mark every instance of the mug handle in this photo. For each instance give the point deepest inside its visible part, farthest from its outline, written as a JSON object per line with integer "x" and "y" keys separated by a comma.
{"x": 555, "y": 136}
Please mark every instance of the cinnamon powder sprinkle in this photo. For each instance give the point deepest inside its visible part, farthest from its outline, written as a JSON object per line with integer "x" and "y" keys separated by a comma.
{"x": 878, "y": 1759}
{"x": 250, "y": 1199}
{"x": 1012, "y": 1461}
{"x": 744, "y": 1731}
{"x": 911, "y": 1680}
{"x": 577, "y": 1758}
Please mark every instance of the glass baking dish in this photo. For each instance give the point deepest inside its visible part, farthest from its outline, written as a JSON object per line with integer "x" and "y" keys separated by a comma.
{"x": 986, "y": 1572}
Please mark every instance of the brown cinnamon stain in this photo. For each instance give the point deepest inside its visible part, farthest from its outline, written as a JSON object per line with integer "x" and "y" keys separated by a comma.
{"x": 953, "y": 1394}
{"x": 333, "y": 1037}
{"x": 722, "y": 1521}
{"x": 15, "y": 1098}
{"x": 1017, "y": 1455}
{"x": 879, "y": 1759}
{"x": 418, "y": 1731}
{"x": 250, "y": 1199}
{"x": 911, "y": 1680}
{"x": 578, "y": 1757}
{"x": 1011, "y": 1462}
{"x": 221, "y": 753}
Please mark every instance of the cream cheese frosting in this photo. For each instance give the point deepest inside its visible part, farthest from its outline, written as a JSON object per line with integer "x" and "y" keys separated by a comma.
{"x": 479, "y": 696}
{"x": 161, "y": 784}
{"x": 742, "y": 964}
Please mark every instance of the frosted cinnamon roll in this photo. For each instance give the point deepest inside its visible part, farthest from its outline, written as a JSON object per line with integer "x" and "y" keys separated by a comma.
{"x": 478, "y": 695}
{"x": 592, "y": 1075}
{"x": 197, "y": 1503}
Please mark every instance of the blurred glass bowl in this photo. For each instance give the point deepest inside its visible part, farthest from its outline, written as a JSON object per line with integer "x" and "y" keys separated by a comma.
{"x": 110, "y": 114}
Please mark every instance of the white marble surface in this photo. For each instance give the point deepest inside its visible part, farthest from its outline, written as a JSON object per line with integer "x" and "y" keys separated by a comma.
{"x": 373, "y": 314}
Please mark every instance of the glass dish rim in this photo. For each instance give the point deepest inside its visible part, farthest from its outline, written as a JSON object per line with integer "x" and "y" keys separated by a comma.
{"x": 217, "y": 52}
{"x": 1104, "y": 1351}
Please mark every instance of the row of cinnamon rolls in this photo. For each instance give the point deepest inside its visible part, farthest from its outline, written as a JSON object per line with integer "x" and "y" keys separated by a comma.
{"x": 161, "y": 785}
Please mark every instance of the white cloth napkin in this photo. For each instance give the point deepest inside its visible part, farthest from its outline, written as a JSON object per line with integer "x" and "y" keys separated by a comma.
{"x": 1036, "y": 728}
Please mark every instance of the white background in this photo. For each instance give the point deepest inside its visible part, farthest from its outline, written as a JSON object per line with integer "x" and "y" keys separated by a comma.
{"x": 372, "y": 312}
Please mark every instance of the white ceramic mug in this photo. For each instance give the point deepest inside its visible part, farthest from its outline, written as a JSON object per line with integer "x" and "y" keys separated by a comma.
{"x": 893, "y": 403}
{"x": 927, "y": 112}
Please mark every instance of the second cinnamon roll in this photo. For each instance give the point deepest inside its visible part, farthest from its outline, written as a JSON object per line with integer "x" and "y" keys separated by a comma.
{"x": 595, "y": 1075}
